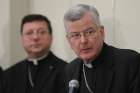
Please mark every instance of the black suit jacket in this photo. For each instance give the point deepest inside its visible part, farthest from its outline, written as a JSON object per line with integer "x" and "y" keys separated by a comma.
{"x": 118, "y": 72}
{"x": 1, "y": 80}
{"x": 50, "y": 77}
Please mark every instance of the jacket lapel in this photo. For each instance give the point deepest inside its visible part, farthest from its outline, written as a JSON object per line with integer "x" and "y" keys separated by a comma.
{"x": 105, "y": 72}
{"x": 78, "y": 70}
{"x": 44, "y": 76}
{"x": 73, "y": 72}
{"x": 104, "y": 80}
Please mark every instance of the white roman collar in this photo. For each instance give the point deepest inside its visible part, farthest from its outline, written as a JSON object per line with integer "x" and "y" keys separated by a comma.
{"x": 35, "y": 60}
{"x": 89, "y": 65}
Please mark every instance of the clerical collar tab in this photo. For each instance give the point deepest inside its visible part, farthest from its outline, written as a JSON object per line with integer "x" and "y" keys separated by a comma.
{"x": 34, "y": 61}
{"x": 89, "y": 65}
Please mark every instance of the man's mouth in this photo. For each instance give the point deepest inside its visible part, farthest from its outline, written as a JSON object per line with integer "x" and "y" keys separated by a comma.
{"x": 85, "y": 50}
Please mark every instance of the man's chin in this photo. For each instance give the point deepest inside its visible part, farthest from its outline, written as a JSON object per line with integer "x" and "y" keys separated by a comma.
{"x": 36, "y": 51}
{"x": 86, "y": 57}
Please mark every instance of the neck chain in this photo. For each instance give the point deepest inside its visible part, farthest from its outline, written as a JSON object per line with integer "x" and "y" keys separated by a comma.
{"x": 30, "y": 78}
{"x": 88, "y": 87}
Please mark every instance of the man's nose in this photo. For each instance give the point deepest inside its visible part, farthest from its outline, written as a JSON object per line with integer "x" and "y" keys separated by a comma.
{"x": 83, "y": 38}
{"x": 35, "y": 35}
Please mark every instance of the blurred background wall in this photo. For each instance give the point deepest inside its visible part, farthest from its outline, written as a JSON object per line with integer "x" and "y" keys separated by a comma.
{"x": 120, "y": 17}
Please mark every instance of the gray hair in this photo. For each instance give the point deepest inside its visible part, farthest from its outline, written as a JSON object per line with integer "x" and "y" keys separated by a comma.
{"x": 78, "y": 11}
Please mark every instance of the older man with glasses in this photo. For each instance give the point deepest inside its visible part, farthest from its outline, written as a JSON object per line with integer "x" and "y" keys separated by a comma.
{"x": 99, "y": 68}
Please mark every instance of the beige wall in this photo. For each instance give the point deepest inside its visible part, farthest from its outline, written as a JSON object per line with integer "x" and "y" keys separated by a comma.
{"x": 4, "y": 33}
{"x": 10, "y": 17}
{"x": 120, "y": 18}
{"x": 18, "y": 8}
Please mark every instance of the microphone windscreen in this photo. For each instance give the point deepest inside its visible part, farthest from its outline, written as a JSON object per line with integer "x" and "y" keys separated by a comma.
{"x": 74, "y": 83}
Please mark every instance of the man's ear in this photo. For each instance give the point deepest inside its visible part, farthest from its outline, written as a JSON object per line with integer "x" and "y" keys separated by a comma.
{"x": 102, "y": 31}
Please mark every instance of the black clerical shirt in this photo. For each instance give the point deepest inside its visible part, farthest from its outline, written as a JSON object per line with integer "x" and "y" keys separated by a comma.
{"x": 31, "y": 74}
{"x": 88, "y": 81}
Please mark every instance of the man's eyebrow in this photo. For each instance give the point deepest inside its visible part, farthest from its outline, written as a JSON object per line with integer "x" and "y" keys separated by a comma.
{"x": 87, "y": 29}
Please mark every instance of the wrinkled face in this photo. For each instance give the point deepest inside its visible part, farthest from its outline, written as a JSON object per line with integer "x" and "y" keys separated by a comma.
{"x": 36, "y": 38}
{"x": 85, "y": 37}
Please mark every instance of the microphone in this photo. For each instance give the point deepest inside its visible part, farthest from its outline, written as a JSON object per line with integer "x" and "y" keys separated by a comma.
{"x": 73, "y": 86}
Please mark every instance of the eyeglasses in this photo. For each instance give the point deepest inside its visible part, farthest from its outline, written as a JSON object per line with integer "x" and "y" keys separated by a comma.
{"x": 77, "y": 35}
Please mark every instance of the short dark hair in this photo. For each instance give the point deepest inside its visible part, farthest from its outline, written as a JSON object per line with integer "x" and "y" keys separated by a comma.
{"x": 35, "y": 17}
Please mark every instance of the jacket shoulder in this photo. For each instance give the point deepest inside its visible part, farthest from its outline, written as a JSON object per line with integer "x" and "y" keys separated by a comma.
{"x": 125, "y": 53}
{"x": 58, "y": 60}
{"x": 15, "y": 68}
